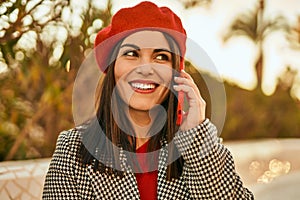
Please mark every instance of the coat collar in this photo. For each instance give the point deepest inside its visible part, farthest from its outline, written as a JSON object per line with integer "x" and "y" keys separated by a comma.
{"x": 114, "y": 187}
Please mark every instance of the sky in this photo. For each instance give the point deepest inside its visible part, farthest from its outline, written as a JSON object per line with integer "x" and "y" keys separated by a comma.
{"x": 234, "y": 59}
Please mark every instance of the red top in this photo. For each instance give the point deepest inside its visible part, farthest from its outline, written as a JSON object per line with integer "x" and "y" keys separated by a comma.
{"x": 147, "y": 182}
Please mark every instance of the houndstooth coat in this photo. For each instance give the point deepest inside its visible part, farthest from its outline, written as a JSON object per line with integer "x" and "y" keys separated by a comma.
{"x": 208, "y": 172}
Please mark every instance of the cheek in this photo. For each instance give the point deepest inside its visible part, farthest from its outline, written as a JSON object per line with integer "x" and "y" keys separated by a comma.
{"x": 119, "y": 70}
{"x": 166, "y": 74}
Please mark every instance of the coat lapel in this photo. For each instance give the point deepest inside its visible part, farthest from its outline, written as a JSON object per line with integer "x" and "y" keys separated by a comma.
{"x": 112, "y": 186}
{"x": 174, "y": 189}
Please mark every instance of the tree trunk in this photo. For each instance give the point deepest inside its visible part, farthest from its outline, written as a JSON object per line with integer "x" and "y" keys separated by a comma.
{"x": 259, "y": 69}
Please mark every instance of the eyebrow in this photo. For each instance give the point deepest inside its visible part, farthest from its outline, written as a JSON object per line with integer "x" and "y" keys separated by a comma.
{"x": 138, "y": 48}
{"x": 160, "y": 50}
{"x": 131, "y": 45}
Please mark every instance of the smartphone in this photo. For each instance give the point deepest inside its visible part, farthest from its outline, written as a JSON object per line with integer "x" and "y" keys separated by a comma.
{"x": 180, "y": 102}
{"x": 179, "y": 108}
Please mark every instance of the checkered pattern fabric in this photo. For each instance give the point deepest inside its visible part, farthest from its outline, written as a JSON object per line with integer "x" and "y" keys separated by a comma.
{"x": 208, "y": 172}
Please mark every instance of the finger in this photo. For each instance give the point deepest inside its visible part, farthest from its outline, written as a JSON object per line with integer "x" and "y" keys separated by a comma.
{"x": 186, "y": 81}
{"x": 192, "y": 96}
{"x": 186, "y": 89}
{"x": 186, "y": 75}
{"x": 193, "y": 84}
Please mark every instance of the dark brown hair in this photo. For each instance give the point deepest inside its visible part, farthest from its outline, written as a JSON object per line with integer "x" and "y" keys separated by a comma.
{"x": 101, "y": 133}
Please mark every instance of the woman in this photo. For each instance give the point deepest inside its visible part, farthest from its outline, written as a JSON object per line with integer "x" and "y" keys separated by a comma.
{"x": 141, "y": 145}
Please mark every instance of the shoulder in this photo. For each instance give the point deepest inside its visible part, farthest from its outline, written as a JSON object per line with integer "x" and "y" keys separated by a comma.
{"x": 71, "y": 137}
{"x": 69, "y": 140}
{"x": 66, "y": 154}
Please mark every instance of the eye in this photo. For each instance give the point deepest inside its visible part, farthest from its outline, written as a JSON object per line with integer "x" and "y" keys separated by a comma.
{"x": 163, "y": 57}
{"x": 130, "y": 53}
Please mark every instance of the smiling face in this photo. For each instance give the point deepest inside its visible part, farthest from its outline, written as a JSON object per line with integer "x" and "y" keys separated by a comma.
{"x": 143, "y": 70}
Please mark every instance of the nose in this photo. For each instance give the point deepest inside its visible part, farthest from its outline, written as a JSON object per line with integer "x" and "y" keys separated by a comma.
{"x": 145, "y": 69}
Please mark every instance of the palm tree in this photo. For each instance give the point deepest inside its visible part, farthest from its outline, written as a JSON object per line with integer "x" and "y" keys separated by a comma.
{"x": 254, "y": 26}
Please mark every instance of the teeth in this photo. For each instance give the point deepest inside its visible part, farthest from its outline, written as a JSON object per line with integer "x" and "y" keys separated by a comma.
{"x": 143, "y": 86}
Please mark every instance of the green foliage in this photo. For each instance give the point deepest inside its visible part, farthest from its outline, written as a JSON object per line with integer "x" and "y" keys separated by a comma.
{"x": 251, "y": 114}
{"x": 42, "y": 45}
{"x": 6, "y": 140}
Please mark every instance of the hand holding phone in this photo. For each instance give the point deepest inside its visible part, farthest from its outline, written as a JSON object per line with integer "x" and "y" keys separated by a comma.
{"x": 195, "y": 111}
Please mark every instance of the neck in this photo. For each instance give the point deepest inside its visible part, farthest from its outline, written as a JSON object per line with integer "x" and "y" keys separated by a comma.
{"x": 141, "y": 122}
{"x": 139, "y": 117}
{"x": 141, "y": 141}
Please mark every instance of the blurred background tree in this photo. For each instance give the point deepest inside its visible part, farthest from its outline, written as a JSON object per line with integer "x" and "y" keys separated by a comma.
{"x": 43, "y": 43}
{"x": 294, "y": 35}
{"x": 256, "y": 26}
{"x": 193, "y": 3}
{"x": 252, "y": 114}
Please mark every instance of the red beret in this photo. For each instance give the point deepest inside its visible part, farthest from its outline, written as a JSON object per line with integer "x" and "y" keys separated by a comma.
{"x": 144, "y": 16}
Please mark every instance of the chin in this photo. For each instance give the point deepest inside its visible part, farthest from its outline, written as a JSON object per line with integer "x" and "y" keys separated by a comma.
{"x": 141, "y": 106}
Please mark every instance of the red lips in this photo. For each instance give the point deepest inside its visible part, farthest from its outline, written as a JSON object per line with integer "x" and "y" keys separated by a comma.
{"x": 143, "y": 86}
